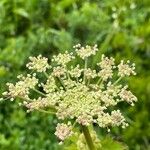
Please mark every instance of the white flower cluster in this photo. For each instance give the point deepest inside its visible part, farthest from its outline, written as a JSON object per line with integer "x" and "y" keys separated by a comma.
{"x": 75, "y": 71}
{"x": 63, "y": 59}
{"x": 21, "y": 88}
{"x": 58, "y": 71}
{"x": 107, "y": 66}
{"x": 113, "y": 119}
{"x": 89, "y": 73}
{"x": 39, "y": 63}
{"x": 35, "y": 104}
{"x": 80, "y": 94}
{"x": 127, "y": 96}
{"x": 86, "y": 51}
{"x": 50, "y": 85}
{"x": 126, "y": 69}
{"x": 63, "y": 131}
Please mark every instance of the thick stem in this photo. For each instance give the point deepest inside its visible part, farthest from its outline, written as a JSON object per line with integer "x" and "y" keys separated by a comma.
{"x": 88, "y": 138}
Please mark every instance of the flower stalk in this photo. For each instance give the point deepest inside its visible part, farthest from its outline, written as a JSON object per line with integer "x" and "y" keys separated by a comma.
{"x": 39, "y": 92}
{"x": 88, "y": 138}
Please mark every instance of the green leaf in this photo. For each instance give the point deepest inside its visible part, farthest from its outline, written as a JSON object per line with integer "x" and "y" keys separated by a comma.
{"x": 22, "y": 12}
{"x": 109, "y": 144}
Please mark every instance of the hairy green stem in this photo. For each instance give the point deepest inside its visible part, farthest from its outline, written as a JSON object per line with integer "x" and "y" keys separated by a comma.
{"x": 88, "y": 138}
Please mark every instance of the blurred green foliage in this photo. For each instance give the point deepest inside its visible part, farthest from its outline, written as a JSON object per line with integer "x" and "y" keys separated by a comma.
{"x": 31, "y": 27}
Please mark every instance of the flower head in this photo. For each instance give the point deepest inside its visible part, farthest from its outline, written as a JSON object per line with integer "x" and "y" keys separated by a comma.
{"x": 63, "y": 131}
{"x": 86, "y": 51}
{"x": 76, "y": 93}
{"x": 63, "y": 59}
{"x": 125, "y": 69}
{"x": 21, "y": 88}
{"x": 37, "y": 104}
{"x": 89, "y": 73}
{"x": 75, "y": 71}
{"x": 118, "y": 119}
{"x": 58, "y": 71}
{"x": 107, "y": 65}
{"x": 127, "y": 96}
{"x": 39, "y": 63}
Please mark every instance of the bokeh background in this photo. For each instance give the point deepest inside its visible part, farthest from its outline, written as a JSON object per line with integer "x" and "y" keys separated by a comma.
{"x": 121, "y": 28}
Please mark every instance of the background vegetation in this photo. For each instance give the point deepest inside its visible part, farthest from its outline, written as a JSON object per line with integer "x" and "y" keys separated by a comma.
{"x": 121, "y": 28}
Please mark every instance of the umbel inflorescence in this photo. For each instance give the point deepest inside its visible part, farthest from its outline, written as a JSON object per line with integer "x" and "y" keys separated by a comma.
{"x": 74, "y": 93}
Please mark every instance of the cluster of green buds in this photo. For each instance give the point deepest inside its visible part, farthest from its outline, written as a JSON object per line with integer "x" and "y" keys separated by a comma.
{"x": 74, "y": 93}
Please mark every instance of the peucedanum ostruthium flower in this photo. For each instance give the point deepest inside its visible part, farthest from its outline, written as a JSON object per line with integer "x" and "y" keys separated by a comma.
{"x": 76, "y": 93}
